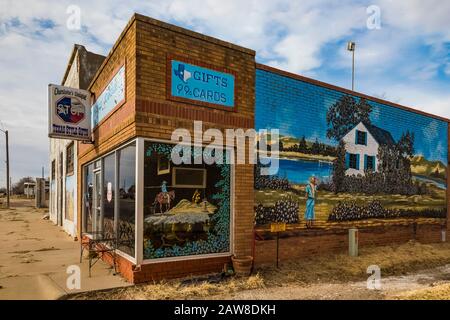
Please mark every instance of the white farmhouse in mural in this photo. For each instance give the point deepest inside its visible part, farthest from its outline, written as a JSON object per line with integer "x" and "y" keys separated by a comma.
{"x": 361, "y": 147}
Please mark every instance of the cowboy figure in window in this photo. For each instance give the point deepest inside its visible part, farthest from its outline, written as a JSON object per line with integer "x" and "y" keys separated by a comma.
{"x": 164, "y": 197}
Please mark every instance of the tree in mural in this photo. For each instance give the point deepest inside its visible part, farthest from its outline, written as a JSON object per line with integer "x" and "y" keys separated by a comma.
{"x": 405, "y": 145}
{"x": 339, "y": 168}
{"x": 395, "y": 164}
{"x": 302, "y": 146}
{"x": 346, "y": 113}
{"x": 315, "y": 148}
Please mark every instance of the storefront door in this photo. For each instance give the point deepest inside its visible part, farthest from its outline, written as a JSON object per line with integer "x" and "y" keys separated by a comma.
{"x": 97, "y": 202}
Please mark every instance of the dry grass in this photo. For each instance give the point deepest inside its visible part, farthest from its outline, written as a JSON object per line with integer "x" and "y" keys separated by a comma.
{"x": 438, "y": 292}
{"x": 393, "y": 260}
{"x": 176, "y": 289}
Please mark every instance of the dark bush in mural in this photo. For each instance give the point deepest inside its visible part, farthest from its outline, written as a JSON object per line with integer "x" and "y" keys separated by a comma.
{"x": 350, "y": 211}
{"x": 270, "y": 182}
{"x": 283, "y": 211}
{"x": 376, "y": 183}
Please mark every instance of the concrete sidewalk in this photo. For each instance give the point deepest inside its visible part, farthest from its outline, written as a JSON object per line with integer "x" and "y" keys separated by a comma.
{"x": 35, "y": 254}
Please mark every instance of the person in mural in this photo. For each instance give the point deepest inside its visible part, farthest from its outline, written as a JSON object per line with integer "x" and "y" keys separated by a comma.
{"x": 311, "y": 190}
{"x": 164, "y": 197}
{"x": 164, "y": 187}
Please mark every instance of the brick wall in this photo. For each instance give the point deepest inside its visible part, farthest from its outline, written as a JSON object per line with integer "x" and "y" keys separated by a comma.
{"x": 312, "y": 243}
{"x": 118, "y": 126}
{"x": 286, "y": 101}
{"x": 282, "y": 99}
{"x": 157, "y": 116}
{"x": 167, "y": 270}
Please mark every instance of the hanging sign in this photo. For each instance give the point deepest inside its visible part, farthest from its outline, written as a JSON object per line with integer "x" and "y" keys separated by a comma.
{"x": 188, "y": 81}
{"x": 69, "y": 113}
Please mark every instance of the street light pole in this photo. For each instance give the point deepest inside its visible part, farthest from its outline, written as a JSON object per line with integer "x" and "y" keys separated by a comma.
{"x": 7, "y": 167}
{"x": 351, "y": 47}
{"x": 353, "y": 70}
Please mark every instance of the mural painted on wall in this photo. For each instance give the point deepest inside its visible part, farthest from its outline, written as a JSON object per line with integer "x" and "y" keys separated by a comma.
{"x": 343, "y": 158}
{"x": 186, "y": 207}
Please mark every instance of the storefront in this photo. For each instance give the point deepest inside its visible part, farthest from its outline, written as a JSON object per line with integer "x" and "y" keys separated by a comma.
{"x": 171, "y": 219}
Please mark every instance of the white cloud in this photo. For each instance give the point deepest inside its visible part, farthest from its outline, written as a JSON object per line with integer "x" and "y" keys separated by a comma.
{"x": 431, "y": 98}
{"x": 419, "y": 17}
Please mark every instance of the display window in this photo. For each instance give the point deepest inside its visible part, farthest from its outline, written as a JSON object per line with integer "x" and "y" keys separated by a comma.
{"x": 186, "y": 207}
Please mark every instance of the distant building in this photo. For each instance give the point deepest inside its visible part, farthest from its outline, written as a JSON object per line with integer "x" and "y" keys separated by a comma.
{"x": 28, "y": 189}
{"x": 361, "y": 146}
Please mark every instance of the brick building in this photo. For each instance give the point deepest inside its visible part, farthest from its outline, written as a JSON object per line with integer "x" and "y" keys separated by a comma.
{"x": 175, "y": 220}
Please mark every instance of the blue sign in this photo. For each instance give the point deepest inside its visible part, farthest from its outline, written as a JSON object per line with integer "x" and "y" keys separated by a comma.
{"x": 113, "y": 94}
{"x": 202, "y": 84}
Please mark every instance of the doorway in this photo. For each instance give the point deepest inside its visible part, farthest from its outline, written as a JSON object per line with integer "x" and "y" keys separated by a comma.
{"x": 97, "y": 202}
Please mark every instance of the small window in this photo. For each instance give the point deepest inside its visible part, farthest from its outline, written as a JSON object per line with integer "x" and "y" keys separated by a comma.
{"x": 370, "y": 163}
{"x": 70, "y": 159}
{"x": 53, "y": 169}
{"x": 353, "y": 161}
{"x": 189, "y": 178}
{"x": 361, "y": 137}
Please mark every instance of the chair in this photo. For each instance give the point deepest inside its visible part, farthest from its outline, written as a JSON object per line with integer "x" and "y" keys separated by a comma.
{"x": 98, "y": 244}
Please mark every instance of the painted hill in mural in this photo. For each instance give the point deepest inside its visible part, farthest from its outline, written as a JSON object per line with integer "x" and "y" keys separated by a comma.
{"x": 432, "y": 169}
{"x": 300, "y": 148}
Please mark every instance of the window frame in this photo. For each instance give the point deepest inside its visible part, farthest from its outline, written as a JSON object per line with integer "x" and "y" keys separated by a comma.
{"x": 372, "y": 162}
{"x": 53, "y": 170}
{"x": 350, "y": 155}
{"x": 70, "y": 159}
{"x": 188, "y": 186}
{"x": 360, "y": 134}
{"x": 140, "y": 211}
{"x": 98, "y": 166}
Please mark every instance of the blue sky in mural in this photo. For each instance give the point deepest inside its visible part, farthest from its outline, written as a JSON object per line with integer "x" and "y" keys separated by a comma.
{"x": 304, "y": 114}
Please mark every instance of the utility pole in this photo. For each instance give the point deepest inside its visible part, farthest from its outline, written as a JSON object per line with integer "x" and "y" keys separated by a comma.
{"x": 7, "y": 167}
{"x": 351, "y": 47}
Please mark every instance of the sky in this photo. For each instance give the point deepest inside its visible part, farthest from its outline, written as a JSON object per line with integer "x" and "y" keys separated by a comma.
{"x": 406, "y": 60}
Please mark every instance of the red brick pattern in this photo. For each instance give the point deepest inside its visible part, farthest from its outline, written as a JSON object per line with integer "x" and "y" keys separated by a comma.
{"x": 167, "y": 270}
